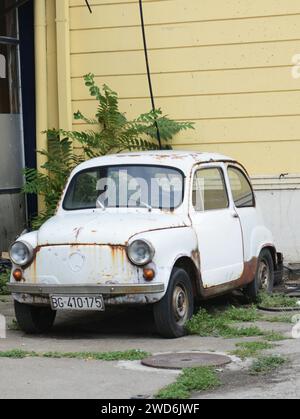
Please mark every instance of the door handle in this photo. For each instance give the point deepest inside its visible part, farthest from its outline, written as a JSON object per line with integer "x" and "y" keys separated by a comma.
{"x": 234, "y": 215}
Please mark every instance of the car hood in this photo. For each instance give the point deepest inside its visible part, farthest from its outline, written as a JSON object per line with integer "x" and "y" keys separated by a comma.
{"x": 104, "y": 227}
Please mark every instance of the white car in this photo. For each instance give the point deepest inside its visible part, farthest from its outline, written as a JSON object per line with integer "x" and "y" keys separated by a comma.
{"x": 163, "y": 228}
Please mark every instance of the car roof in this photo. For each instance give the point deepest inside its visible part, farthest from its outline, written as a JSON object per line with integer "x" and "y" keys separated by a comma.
{"x": 183, "y": 160}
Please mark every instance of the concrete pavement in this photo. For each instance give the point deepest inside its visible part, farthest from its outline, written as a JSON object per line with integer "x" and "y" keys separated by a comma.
{"x": 120, "y": 330}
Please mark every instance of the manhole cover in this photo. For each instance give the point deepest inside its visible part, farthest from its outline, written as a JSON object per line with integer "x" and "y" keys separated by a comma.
{"x": 177, "y": 361}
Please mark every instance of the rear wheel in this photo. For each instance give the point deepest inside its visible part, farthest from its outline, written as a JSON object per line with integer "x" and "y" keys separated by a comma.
{"x": 264, "y": 277}
{"x": 176, "y": 307}
{"x": 34, "y": 320}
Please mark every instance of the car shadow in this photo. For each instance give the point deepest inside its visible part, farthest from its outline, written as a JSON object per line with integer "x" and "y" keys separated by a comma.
{"x": 124, "y": 322}
{"x": 121, "y": 322}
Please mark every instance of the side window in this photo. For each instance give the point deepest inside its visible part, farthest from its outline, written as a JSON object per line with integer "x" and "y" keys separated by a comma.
{"x": 209, "y": 190}
{"x": 241, "y": 189}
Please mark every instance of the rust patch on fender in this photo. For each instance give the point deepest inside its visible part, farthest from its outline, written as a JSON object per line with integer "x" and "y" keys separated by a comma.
{"x": 195, "y": 255}
{"x": 34, "y": 277}
{"x": 117, "y": 252}
{"x": 249, "y": 271}
{"x": 119, "y": 257}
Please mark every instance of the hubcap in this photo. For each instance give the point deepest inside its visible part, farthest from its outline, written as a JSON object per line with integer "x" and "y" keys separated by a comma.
{"x": 180, "y": 305}
{"x": 264, "y": 274}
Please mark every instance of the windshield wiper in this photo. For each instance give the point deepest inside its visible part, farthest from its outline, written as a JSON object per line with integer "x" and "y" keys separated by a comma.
{"x": 144, "y": 204}
{"x": 100, "y": 204}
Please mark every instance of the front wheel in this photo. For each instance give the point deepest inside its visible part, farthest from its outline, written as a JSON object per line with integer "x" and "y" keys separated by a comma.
{"x": 34, "y": 320}
{"x": 264, "y": 277}
{"x": 176, "y": 307}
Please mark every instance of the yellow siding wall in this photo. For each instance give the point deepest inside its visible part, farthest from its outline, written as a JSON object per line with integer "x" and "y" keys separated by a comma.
{"x": 224, "y": 64}
{"x": 52, "y": 87}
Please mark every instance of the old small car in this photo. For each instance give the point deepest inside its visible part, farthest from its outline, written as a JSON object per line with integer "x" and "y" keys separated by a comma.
{"x": 165, "y": 229}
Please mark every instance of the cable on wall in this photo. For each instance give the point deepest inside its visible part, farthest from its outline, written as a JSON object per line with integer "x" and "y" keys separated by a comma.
{"x": 88, "y": 6}
{"x": 147, "y": 65}
{"x": 148, "y": 70}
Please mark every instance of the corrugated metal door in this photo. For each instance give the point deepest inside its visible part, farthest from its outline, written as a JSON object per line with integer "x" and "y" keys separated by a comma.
{"x": 12, "y": 206}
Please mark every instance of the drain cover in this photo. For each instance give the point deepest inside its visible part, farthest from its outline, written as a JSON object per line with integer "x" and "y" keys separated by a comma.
{"x": 177, "y": 361}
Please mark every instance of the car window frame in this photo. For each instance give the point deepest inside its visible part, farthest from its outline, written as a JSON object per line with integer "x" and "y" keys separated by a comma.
{"x": 72, "y": 180}
{"x": 231, "y": 166}
{"x": 223, "y": 176}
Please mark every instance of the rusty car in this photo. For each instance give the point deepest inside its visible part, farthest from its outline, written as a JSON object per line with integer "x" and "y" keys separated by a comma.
{"x": 165, "y": 229}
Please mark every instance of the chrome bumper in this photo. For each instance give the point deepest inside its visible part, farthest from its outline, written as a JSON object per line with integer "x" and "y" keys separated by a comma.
{"x": 46, "y": 290}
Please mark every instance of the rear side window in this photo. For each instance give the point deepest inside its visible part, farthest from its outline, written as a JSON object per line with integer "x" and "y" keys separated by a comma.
{"x": 209, "y": 190}
{"x": 242, "y": 192}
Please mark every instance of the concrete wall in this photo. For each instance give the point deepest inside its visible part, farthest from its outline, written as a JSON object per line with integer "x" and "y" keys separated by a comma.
{"x": 279, "y": 200}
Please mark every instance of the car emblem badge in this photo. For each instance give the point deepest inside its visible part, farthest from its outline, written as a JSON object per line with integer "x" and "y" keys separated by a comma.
{"x": 76, "y": 261}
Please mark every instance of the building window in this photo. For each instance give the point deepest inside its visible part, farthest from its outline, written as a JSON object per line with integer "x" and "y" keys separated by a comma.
{"x": 8, "y": 18}
{"x": 9, "y": 69}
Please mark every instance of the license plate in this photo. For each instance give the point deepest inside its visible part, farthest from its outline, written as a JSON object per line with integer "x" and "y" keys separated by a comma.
{"x": 76, "y": 302}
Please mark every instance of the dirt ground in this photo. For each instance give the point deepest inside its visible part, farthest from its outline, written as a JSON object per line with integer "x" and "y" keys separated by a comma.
{"x": 123, "y": 329}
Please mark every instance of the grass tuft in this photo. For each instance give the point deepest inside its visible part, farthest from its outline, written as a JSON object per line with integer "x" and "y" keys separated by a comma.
{"x": 17, "y": 354}
{"x": 221, "y": 324}
{"x": 242, "y": 314}
{"x": 282, "y": 318}
{"x": 274, "y": 336}
{"x": 191, "y": 379}
{"x": 266, "y": 364}
{"x": 4, "y": 279}
{"x": 130, "y": 355}
{"x": 277, "y": 300}
{"x": 250, "y": 349}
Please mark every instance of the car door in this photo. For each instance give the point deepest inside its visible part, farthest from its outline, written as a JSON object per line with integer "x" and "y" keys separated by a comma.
{"x": 217, "y": 226}
{"x": 245, "y": 206}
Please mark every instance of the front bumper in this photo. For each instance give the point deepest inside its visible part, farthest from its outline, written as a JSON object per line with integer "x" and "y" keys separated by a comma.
{"x": 72, "y": 289}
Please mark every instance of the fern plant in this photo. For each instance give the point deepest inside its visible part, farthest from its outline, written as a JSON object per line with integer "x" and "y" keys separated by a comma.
{"x": 113, "y": 133}
{"x": 49, "y": 183}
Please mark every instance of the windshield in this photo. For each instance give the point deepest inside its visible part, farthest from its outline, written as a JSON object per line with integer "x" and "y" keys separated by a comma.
{"x": 126, "y": 186}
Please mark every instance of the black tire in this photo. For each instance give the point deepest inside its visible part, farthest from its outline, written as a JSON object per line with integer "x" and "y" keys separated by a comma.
{"x": 177, "y": 306}
{"x": 34, "y": 320}
{"x": 264, "y": 277}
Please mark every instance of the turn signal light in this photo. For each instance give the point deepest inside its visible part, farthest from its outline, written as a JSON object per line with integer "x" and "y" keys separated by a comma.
{"x": 18, "y": 275}
{"x": 149, "y": 274}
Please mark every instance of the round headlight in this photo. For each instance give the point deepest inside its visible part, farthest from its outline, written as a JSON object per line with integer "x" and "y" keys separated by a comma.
{"x": 140, "y": 252}
{"x": 21, "y": 253}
